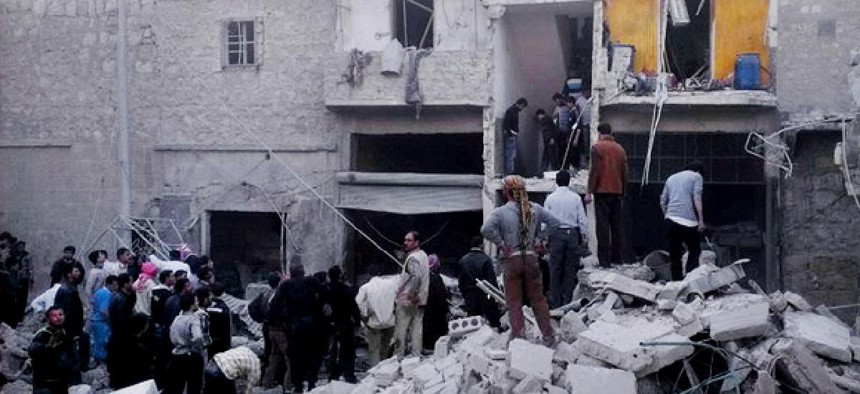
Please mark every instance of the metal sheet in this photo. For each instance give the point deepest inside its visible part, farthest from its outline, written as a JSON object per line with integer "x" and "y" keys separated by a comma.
{"x": 410, "y": 200}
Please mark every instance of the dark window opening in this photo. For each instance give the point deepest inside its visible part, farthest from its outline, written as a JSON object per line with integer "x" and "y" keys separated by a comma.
{"x": 688, "y": 47}
{"x": 241, "y": 41}
{"x": 422, "y": 153}
{"x": 580, "y": 58}
{"x": 245, "y": 247}
{"x": 413, "y": 22}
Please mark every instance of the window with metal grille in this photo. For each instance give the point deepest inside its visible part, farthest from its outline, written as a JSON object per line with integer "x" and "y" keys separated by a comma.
{"x": 241, "y": 43}
{"x": 413, "y": 22}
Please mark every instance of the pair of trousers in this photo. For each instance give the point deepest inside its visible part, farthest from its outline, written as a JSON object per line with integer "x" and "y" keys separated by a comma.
{"x": 549, "y": 160}
{"x": 609, "y": 223}
{"x": 302, "y": 350}
{"x": 277, "y": 359}
{"x": 510, "y": 154}
{"x": 100, "y": 334}
{"x": 410, "y": 325}
{"x": 680, "y": 236}
{"x": 216, "y": 382}
{"x": 341, "y": 358}
{"x": 378, "y": 343}
{"x": 479, "y": 303}
{"x": 564, "y": 253}
{"x": 522, "y": 274}
{"x": 185, "y": 369}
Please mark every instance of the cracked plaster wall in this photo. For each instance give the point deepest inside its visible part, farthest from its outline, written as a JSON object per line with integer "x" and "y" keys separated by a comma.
{"x": 58, "y": 118}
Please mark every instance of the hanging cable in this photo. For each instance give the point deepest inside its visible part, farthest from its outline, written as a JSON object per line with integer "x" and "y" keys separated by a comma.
{"x": 849, "y": 183}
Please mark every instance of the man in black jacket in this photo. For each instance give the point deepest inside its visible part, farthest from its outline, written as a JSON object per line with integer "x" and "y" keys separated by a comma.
{"x": 220, "y": 323}
{"x": 69, "y": 300}
{"x": 121, "y": 345}
{"x": 68, "y": 259}
{"x": 346, "y": 318}
{"x": 475, "y": 266}
{"x": 52, "y": 355}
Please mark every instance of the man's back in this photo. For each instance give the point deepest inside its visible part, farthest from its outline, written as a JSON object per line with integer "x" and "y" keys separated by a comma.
{"x": 567, "y": 207}
{"x": 343, "y": 307}
{"x": 219, "y": 319}
{"x": 474, "y": 266}
{"x": 609, "y": 167}
{"x": 69, "y": 299}
{"x": 681, "y": 191}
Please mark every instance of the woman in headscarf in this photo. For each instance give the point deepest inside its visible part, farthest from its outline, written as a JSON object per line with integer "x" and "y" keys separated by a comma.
{"x": 436, "y": 311}
{"x": 143, "y": 287}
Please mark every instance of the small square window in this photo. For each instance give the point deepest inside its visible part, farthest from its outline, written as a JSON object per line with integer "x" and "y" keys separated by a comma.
{"x": 241, "y": 40}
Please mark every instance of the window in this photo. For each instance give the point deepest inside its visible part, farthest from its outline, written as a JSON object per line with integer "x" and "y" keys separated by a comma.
{"x": 241, "y": 39}
{"x": 413, "y": 22}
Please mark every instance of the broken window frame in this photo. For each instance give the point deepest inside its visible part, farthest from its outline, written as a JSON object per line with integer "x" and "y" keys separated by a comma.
{"x": 402, "y": 19}
{"x": 245, "y": 57}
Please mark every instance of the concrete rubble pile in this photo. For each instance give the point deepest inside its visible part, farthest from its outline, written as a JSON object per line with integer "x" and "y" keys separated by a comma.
{"x": 628, "y": 334}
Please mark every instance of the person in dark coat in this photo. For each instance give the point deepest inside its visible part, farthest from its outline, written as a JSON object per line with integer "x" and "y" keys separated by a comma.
{"x": 69, "y": 300}
{"x": 346, "y": 318}
{"x": 298, "y": 304}
{"x": 68, "y": 259}
{"x": 436, "y": 311}
{"x": 475, "y": 266}
{"x": 121, "y": 345}
{"x": 220, "y": 323}
{"x": 52, "y": 355}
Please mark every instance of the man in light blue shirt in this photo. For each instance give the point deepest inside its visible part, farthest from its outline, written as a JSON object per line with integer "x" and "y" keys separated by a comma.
{"x": 567, "y": 242}
{"x": 681, "y": 202}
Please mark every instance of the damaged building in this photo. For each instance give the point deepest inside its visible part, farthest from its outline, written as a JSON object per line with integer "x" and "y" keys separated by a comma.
{"x": 237, "y": 127}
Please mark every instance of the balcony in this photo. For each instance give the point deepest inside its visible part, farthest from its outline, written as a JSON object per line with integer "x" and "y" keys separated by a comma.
{"x": 719, "y": 98}
{"x": 446, "y": 78}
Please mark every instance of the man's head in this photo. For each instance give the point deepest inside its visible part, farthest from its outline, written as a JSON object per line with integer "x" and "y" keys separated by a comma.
{"x": 174, "y": 255}
{"x": 182, "y": 286}
{"x": 604, "y": 129}
{"x": 97, "y": 257}
{"x": 321, "y": 277}
{"x": 69, "y": 252}
{"x": 297, "y": 271}
{"x": 180, "y": 274}
{"x": 186, "y": 302}
{"x": 55, "y": 315}
{"x": 112, "y": 283}
{"x": 412, "y": 241}
{"x": 274, "y": 279}
{"x": 696, "y": 166}
{"x": 559, "y": 99}
{"x": 166, "y": 278}
{"x": 562, "y": 178}
{"x": 123, "y": 255}
{"x": 123, "y": 283}
{"x": 203, "y": 296}
{"x": 72, "y": 273}
{"x": 206, "y": 274}
{"x": 476, "y": 241}
{"x": 20, "y": 247}
{"x": 217, "y": 289}
{"x": 522, "y": 103}
{"x": 334, "y": 274}
{"x": 540, "y": 114}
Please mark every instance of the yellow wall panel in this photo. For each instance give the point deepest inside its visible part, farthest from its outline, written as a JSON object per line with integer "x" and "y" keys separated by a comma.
{"x": 738, "y": 27}
{"x": 634, "y": 22}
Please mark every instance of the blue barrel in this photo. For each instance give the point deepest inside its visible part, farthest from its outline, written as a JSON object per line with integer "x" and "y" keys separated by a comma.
{"x": 747, "y": 72}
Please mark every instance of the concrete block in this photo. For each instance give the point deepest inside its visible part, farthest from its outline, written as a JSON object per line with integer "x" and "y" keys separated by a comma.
{"x": 445, "y": 362}
{"x": 80, "y": 389}
{"x": 424, "y": 374}
{"x": 684, "y": 314}
{"x": 819, "y": 334}
{"x": 408, "y": 365}
{"x": 527, "y": 359}
{"x": 571, "y": 326}
{"x": 453, "y": 373}
{"x": 609, "y": 317}
{"x": 550, "y": 389}
{"x": 714, "y": 280}
{"x": 564, "y": 352}
{"x": 478, "y": 339}
{"x": 691, "y": 329}
{"x": 386, "y": 372}
{"x": 797, "y": 302}
{"x": 503, "y": 386}
{"x": 460, "y": 327}
{"x": 146, "y": 387}
{"x": 823, "y": 311}
{"x": 619, "y": 345}
{"x": 671, "y": 291}
{"x": 529, "y": 385}
{"x": 664, "y": 355}
{"x": 623, "y": 284}
{"x": 598, "y": 309}
{"x": 778, "y": 303}
{"x": 479, "y": 363}
{"x": 442, "y": 346}
{"x": 593, "y": 380}
{"x": 495, "y": 354}
{"x": 666, "y": 305}
{"x": 764, "y": 384}
{"x": 338, "y": 387}
{"x": 806, "y": 369}
{"x": 748, "y": 321}
{"x": 850, "y": 385}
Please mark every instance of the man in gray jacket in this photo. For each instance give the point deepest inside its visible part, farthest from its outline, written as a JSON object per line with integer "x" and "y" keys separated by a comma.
{"x": 514, "y": 228}
{"x": 681, "y": 202}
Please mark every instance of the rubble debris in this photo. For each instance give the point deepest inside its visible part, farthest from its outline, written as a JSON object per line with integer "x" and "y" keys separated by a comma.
{"x": 529, "y": 360}
{"x": 820, "y": 334}
{"x": 747, "y": 321}
{"x": 715, "y": 279}
{"x": 594, "y": 380}
{"x": 804, "y": 368}
{"x": 797, "y": 302}
{"x": 623, "y": 284}
{"x": 17, "y": 387}
{"x": 147, "y": 387}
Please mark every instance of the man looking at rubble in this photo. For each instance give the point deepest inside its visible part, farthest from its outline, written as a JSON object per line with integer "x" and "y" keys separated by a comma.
{"x": 565, "y": 242}
{"x": 376, "y": 304}
{"x": 514, "y": 228}
{"x": 52, "y": 355}
{"x": 412, "y": 292}
{"x": 226, "y": 367}
{"x": 475, "y": 266}
{"x": 511, "y": 129}
{"x": 681, "y": 202}
{"x": 607, "y": 182}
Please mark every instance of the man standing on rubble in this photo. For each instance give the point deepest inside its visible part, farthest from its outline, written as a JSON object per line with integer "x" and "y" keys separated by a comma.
{"x": 566, "y": 243}
{"x": 511, "y": 130}
{"x": 376, "y": 304}
{"x": 607, "y": 182}
{"x": 52, "y": 355}
{"x": 412, "y": 292}
{"x": 69, "y": 299}
{"x": 681, "y": 202}
{"x": 346, "y": 318}
{"x": 475, "y": 266}
{"x": 514, "y": 228}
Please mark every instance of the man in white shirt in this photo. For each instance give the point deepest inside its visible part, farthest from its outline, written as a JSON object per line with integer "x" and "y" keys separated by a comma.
{"x": 566, "y": 243}
{"x": 123, "y": 256}
{"x": 681, "y": 202}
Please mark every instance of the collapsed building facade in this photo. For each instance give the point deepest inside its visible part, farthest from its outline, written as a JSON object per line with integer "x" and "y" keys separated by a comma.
{"x": 235, "y": 118}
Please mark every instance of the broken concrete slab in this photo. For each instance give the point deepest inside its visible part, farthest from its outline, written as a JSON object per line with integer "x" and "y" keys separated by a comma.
{"x": 550, "y": 389}
{"x": 747, "y": 321}
{"x": 664, "y": 355}
{"x": 820, "y": 334}
{"x": 442, "y": 346}
{"x": 804, "y": 367}
{"x": 598, "y": 309}
{"x": 797, "y": 302}
{"x": 529, "y": 385}
{"x": 476, "y": 340}
{"x": 778, "y": 303}
{"x": 824, "y": 311}
{"x": 623, "y": 284}
{"x": 527, "y": 359}
{"x": 684, "y": 314}
{"x": 620, "y": 345}
{"x": 848, "y": 384}
{"x": 571, "y": 326}
{"x": 691, "y": 329}
{"x": 80, "y": 389}
{"x": 495, "y": 354}
{"x": 147, "y": 387}
{"x": 764, "y": 384}
{"x": 594, "y": 380}
{"x": 714, "y": 280}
